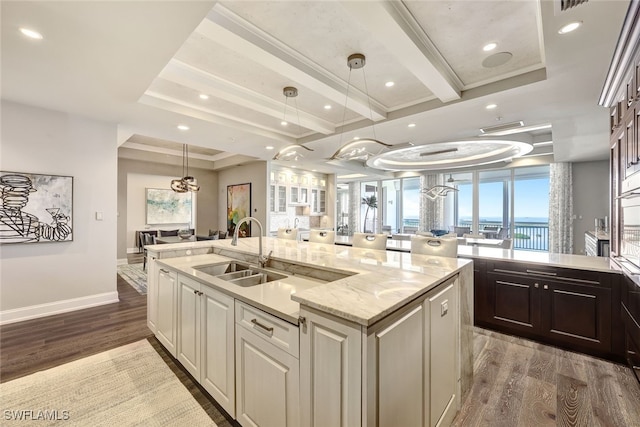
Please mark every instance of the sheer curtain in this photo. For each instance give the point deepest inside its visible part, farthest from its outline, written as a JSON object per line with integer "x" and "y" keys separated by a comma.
{"x": 560, "y": 208}
{"x": 431, "y": 211}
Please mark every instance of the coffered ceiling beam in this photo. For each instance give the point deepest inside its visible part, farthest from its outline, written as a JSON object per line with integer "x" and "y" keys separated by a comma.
{"x": 186, "y": 75}
{"x": 392, "y": 24}
{"x": 180, "y": 107}
{"x": 255, "y": 44}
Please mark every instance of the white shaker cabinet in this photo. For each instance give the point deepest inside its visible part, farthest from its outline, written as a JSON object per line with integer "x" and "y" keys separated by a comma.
{"x": 267, "y": 370}
{"x": 205, "y": 339}
{"x": 152, "y": 293}
{"x": 408, "y": 360}
{"x": 330, "y": 364}
{"x": 165, "y": 297}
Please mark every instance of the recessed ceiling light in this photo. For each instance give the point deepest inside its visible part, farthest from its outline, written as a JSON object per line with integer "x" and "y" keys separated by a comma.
{"x": 313, "y": 170}
{"x": 491, "y": 106}
{"x": 32, "y": 34}
{"x": 389, "y": 84}
{"x": 269, "y": 147}
{"x": 569, "y": 27}
{"x": 356, "y": 137}
{"x": 204, "y": 96}
{"x": 284, "y": 123}
{"x": 327, "y": 107}
{"x": 183, "y": 127}
{"x": 489, "y": 46}
{"x": 294, "y": 167}
{"x": 411, "y": 125}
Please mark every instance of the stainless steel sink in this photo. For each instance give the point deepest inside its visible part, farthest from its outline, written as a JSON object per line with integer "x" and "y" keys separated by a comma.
{"x": 239, "y": 273}
{"x": 257, "y": 278}
{"x": 222, "y": 268}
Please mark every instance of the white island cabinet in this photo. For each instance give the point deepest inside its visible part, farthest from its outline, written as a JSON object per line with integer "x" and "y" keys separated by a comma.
{"x": 345, "y": 337}
{"x": 407, "y": 363}
{"x": 206, "y": 337}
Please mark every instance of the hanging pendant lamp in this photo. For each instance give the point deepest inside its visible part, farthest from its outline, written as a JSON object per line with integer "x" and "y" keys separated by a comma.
{"x": 291, "y": 152}
{"x": 187, "y": 182}
{"x": 365, "y": 147}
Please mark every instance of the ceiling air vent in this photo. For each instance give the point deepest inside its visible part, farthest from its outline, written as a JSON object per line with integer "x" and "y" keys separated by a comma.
{"x": 501, "y": 127}
{"x": 568, "y": 4}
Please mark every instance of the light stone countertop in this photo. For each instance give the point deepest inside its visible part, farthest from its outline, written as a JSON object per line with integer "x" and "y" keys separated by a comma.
{"x": 382, "y": 281}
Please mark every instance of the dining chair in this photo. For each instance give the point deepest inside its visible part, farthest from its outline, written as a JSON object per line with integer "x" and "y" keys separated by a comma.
{"x": 370, "y": 241}
{"x": 473, "y": 236}
{"x": 287, "y": 233}
{"x": 506, "y": 243}
{"x": 322, "y": 236}
{"x": 147, "y": 239}
{"x": 424, "y": 233}
{"x": 438, "y": 246}
{"x": 165, "y": 233}
{"x": 461, "y": 231}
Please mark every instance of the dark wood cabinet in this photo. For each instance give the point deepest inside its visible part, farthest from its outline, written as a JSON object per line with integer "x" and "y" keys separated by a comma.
{"x": 568, "y": 308}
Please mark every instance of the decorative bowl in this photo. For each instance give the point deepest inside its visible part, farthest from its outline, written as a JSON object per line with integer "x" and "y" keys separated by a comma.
{"x": 184, "y": 234}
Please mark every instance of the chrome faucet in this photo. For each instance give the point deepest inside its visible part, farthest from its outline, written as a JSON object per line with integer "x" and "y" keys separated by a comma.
{"x": 295, "y": 222}
{"x": 261, "y": 258}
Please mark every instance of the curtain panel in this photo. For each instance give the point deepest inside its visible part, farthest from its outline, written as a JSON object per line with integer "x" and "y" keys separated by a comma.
{"x": 560, "y": 208}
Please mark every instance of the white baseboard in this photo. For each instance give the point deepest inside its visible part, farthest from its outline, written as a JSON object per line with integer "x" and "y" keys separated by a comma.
{"x": 57, "y": 307}
{"x": 122, "y": 262}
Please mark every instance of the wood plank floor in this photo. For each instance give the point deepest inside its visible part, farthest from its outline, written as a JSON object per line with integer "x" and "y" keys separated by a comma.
{"x": 516, "y": 382}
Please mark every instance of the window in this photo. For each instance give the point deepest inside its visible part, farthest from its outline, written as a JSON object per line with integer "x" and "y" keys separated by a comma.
{"x": 493, "y": 202}
{"x": 390, "y": 207}
{"x": 410, "y": 204}
{"x": 531, "y": 208}
{"x": 369, "y": 206}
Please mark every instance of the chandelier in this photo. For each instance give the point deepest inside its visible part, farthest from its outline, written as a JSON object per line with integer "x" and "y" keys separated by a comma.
{"x": 187, "y": 182}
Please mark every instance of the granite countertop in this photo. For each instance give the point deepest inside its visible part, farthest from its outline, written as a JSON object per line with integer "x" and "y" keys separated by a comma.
{"x": 381, "y": 281}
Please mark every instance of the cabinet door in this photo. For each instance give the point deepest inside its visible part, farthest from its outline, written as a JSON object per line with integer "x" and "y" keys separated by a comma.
{"x": 330, "y": 367}
{"x": 267, "y": 383}
{"x": 396, "y": 360}
{"x": 442, "y": 317}
{"x": 630, "y": 146}
{"x": 152, "y": 294}
{"x": 515, "y": 302}
{"x": 577, "y": 314}
{"x": 217, "y": 343}
{"x": 294, "y": 191}
{"x": 315, "y": 203}
{"x": 322, "y": 206}
{"x": 166, "y": 323}
{"x": 188, "y": 347}
{"x": 303, "y": 195}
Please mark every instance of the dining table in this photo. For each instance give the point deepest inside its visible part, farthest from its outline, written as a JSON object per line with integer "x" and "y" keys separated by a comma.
{"x": 483, "y": 242}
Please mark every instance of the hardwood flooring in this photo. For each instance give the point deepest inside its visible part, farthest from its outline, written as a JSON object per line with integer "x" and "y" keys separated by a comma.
{"x": 520, "y": 383}
{"x": 517, "y": 383}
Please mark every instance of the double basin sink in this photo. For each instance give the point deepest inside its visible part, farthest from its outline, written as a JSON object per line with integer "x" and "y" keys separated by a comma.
{"x": 239, "y": 273}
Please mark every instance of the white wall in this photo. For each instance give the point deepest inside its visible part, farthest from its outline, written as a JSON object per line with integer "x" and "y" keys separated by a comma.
{"x": 39, "y": 279}
{"x": 590, "y": 198}
{"x": 256, "y": 174}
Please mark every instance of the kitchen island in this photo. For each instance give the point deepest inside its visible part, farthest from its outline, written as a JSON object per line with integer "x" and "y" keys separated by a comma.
{"x": 345, "y": 336}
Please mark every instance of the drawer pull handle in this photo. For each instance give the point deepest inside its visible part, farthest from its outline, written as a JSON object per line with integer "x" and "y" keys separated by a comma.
{"x": 544, "y": 273}
{"x": 545, "y": 287}
{"x": 536, "y": 285}
{"x": 269, "y": 329}
{"x": 164, "y": 271}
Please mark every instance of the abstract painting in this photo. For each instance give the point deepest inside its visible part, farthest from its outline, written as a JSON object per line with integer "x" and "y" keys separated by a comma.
{"x": 238, "y": 207}
{"x": 165, "y": 206}
{"x": 35, "y": 208}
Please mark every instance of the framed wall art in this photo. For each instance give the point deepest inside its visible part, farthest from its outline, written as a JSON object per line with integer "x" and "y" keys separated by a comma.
{"x": 35, "y": 208}
{"x": 165, "y": 206}
{"x": 238, "y": 207}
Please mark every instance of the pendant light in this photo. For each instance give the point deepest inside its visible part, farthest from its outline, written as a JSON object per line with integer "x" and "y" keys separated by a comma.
{"x": 291, "y": 152}
{"x": 365, "y": 147}
{"x": 187, "y": 182}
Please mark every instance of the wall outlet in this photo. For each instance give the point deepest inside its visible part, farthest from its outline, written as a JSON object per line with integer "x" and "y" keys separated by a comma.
{"x": 444, "y": 308}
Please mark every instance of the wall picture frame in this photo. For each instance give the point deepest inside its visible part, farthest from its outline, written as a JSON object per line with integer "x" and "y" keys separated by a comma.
{"x": 238, "y": 207}
{"x": 165, "y": 206}
{"x": 36, "y": 208}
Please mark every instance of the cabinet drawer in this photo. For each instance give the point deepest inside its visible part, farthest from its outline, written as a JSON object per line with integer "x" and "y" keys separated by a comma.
{"x": 545, "y": 271}
{"x": 276, "y": 331}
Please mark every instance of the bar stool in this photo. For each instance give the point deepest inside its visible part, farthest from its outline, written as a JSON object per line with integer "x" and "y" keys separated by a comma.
{"x": 370, "y": 241}
{"x": 424, "y": 245}
{"x": 322, "y": 236}
{"x": 288, "y": 233}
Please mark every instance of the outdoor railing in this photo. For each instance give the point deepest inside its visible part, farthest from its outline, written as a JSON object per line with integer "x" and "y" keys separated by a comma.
{"x": 532, "y": 236}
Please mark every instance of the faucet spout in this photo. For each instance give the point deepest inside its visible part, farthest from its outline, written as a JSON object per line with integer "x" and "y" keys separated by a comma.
{"x": 295, "y": 222}
{"x": 261, "y": 258}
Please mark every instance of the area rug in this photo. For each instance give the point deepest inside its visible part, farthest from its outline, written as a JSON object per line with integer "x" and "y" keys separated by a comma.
{"x": 127, "y": 386}
{"x": 135, "y": 276}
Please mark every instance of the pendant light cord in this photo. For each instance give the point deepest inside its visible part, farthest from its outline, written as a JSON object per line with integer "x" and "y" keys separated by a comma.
{"x": 344, "y": 111}
{"x": 366, "y": 90}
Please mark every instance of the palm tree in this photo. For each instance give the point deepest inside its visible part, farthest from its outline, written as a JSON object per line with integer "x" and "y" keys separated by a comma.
{"x": 372, "y": 203}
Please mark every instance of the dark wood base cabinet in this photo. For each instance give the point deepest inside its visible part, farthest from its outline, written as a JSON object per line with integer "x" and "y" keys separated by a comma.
{"x": 572, "y": 309}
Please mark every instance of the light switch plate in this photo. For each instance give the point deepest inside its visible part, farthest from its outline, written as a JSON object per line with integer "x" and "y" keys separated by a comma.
{"x": 98, "y": 216}
{"x": 444, "y": 307}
